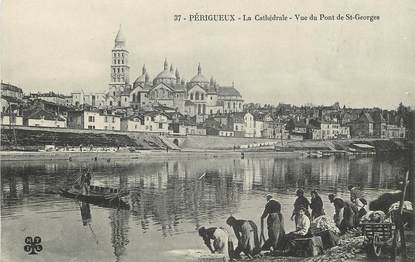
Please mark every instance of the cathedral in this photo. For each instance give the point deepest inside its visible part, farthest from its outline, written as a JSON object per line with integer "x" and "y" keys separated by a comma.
{"x": 199, "y": 96}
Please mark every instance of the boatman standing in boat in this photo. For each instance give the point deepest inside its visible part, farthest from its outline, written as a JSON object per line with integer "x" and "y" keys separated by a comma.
{"x": 85, "y": 181}
{"x": 275, "y": 225}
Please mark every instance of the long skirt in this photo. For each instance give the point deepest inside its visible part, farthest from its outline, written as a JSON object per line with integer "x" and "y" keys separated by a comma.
{"x": 276, "y": 232}
{"x": 249, "y": 242}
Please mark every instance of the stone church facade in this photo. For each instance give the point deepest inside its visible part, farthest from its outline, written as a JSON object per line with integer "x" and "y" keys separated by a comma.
{"x": 199, "y": 96}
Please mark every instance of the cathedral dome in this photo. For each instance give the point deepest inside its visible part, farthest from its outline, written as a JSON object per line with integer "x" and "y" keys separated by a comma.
{"x": 166, "y": 74}
{"x": 199, "y": 78}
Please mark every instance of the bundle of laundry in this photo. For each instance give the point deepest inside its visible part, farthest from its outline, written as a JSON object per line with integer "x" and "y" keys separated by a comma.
{"x": 374, "y": 217}
{"x": 407, "y": 205}
{"x": 322, "y": 223}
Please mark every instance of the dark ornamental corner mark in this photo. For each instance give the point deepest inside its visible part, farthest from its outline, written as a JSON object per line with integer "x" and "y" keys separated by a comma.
{"x": 33, "y": 245}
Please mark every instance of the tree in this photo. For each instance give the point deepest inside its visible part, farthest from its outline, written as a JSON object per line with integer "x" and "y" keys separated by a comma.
{"x": 408, "y": 117}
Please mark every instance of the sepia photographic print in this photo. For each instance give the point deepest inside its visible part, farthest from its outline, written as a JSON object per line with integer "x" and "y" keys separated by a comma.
{"x": 207, "y": 130}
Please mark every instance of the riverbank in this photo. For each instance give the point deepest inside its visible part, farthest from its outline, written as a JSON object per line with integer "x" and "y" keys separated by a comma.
{"x": 145, "y": 154}
{"x": 350, "y": 248}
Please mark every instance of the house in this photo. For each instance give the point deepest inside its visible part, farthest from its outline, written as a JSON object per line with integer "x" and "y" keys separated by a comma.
{"x": 253, "y": 124}
{"x": 347, "y": 117}
{"x": 156, "y": 122}
{"x": 329, "y": 129}
{"x": 183, "y": 126}
{"x": 90, "y": 119}
{"x": 212, "y": 127}
{"x": 11, "y": 105}
{"x": 98, "y": 100}
{"x": 316, "y": 133}
{"x": 226, "y": 131}
{"x": 314, "y": 130}
{"x": 11, "y": 91}
{"x": 68, "y": 101}
{"x": 269, "y": 126}
{"x": 201, "y": 130}
{"x": 362, "y": 127}
{"x": 50, "y": 97}
{"x": 298, "y": 130}
{"x": 394, "y": 131}
{"x": 11, "y": 119}
{"x": 43, "y": 118}
{"x": 280, "y": 130}
{"x": 133, "y": 123}
{"x": 344, "y": 132}
{"x": 55, "y": 108}
{"x": 249, "y": 125}
{"x": 236, "y": 122}
{"x": 379, "y": 124}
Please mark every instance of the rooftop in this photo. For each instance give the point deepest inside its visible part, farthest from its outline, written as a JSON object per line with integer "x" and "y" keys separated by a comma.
{"x": 10, "y": 87}
{"x": 228, "y": 91}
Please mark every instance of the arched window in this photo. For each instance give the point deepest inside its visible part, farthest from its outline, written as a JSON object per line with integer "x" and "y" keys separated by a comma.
{"x": 202, "y": 96}
{"x": 197, "y": 96}
{"x": 191, "y": 96}
{"x": 133, "y": 97}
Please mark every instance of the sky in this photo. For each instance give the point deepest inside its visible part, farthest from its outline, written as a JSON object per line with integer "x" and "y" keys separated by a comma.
{"x": 65, "y": 46}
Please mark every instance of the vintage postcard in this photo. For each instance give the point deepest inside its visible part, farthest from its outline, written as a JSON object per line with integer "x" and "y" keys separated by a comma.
{"x": 195, "y": 130}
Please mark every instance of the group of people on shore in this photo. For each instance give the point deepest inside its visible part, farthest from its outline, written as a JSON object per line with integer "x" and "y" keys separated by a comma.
{"x": 251, "y": 243}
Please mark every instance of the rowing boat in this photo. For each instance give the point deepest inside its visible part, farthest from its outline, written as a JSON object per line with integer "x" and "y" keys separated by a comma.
{"x": 103, "y": 196}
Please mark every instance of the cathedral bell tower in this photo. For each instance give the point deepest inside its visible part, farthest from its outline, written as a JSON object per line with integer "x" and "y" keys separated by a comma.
{"x": 120, "y": 71}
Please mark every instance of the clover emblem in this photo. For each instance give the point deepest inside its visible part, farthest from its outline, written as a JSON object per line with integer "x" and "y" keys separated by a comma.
{"x": 33, "y": 245}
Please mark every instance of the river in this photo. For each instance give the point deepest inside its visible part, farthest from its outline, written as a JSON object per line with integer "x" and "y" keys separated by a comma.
{"x": 175, "y": 198}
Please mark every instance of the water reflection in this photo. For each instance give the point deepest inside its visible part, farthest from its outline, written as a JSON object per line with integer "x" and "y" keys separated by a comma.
{"x": 173, "y": 197}
{"x": 85, "y": 213}
{"x": 119, "y": 231}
